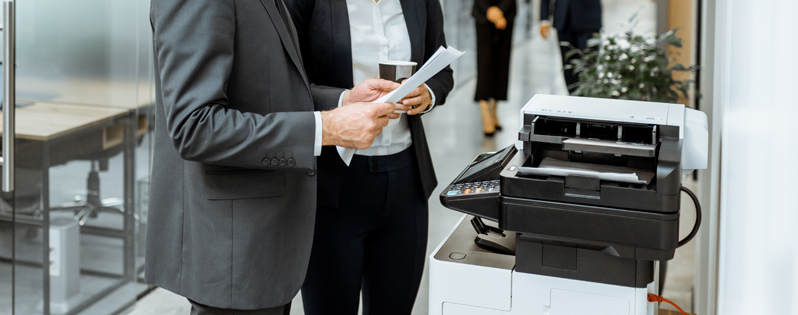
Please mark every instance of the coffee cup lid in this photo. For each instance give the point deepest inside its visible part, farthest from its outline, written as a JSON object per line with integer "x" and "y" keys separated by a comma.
{"x": 397, "y": 63}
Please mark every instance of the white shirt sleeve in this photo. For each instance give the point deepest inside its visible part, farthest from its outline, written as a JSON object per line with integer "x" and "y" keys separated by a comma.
{"x": 319, "y": 127}
{"x": 431, "y": 105}
{"x": 319, "y": 130}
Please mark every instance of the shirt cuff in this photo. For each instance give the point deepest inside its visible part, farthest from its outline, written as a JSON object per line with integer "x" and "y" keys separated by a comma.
{"x": 319, "y": 130}
{"x": 341, "y": 98}
{"x": 432, "y": 104}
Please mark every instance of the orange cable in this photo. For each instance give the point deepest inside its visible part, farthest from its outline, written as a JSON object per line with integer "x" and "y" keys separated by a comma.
{"x": 656, "y": 298}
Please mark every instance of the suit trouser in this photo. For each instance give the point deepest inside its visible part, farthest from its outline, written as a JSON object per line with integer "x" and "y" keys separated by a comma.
{"x": 577, "y": 39}
{"x": 199, "y": 309}
{"x": 375, "y": 240}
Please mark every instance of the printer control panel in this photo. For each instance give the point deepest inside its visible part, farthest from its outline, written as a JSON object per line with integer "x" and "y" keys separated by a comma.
{"x": 483, "y": 187}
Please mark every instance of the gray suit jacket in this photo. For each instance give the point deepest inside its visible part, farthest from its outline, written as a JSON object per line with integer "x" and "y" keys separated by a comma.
{"x": 232, "y": 200}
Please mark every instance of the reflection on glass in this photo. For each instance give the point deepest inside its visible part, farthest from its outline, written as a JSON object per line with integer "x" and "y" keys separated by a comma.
{"x": 84, "y": 72}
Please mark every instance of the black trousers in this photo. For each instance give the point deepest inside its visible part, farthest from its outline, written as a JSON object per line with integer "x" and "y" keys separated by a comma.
{"x": 579, "y": 40}
{"x": 375, "y": 241}
{"x": 199, "y": 309}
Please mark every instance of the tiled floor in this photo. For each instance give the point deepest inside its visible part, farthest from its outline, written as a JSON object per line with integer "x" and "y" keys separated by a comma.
{"x": 455, "y": 135}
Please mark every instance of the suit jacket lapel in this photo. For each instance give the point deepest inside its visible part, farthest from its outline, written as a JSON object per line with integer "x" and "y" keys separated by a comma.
{"x": 285, "y": 37}
{"x": 411, "y": 14}
{"x": 342, "y": 40}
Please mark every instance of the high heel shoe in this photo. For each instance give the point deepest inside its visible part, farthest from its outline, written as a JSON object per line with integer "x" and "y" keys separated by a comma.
{"x": 495, "y": 117}
{"x": 487, "y": 121}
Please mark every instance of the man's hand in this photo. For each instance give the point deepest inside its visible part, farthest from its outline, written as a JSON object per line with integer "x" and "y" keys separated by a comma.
{"x": 416, "y": 102}
{"x": 545, "y": 26}
{"x": 369, "y": 90}
{"x": 355, "y": 125}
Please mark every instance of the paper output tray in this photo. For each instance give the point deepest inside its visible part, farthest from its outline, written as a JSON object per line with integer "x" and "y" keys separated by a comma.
{"x": 588, "y": 191}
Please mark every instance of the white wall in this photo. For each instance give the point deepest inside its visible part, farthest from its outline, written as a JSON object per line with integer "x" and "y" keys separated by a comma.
{"x": 757, "y": 93}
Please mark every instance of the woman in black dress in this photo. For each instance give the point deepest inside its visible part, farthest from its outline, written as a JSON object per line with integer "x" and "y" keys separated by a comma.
{"x": 494, "y": 21}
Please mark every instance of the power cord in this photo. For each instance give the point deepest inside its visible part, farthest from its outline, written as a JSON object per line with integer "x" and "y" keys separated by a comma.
{"x": 697, "y": 217}
{"x": 656, "y": 298}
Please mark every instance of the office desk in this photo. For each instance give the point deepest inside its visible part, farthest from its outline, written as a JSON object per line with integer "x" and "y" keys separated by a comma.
{"x": 49, "y": 134}
{"x": 101, "y": 91}
{"x": 45, "y": 121}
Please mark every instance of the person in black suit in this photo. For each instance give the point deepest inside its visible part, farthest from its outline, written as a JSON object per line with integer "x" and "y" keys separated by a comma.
{"x": 576, "y": 21}
{"x": 371, "y": 223}
{"x": 494, "y": 27}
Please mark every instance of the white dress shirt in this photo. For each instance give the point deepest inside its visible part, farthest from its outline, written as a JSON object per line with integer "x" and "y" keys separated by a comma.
{"x": 378, "y": 32}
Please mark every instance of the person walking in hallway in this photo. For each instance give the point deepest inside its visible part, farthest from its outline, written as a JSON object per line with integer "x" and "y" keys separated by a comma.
{"x": 237, "y": 132}
{"x": 494, "y": 26}
{"x": 575, "y": 21}
{"x": 371, "y": 223}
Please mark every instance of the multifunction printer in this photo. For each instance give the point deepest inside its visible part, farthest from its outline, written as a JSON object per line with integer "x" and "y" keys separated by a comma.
{"x": 572, "y": 219}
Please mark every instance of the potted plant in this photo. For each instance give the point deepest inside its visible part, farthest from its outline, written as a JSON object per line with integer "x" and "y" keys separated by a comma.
{"x": 629, "y": 66}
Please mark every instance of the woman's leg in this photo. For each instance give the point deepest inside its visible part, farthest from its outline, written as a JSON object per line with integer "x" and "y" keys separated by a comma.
{"x": 334, "y": 277}
{"x": 396, "y": 250}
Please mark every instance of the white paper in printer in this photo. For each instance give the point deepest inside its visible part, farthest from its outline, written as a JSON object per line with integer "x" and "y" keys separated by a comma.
{"x": 439, "y": 60}
{"x": 554, "y": 167}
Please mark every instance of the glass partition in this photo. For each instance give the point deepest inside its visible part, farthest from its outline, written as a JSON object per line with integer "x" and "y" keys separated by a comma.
{"x": 71, "y": 234}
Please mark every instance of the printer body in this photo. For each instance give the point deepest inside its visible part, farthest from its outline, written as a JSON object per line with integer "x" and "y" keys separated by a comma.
{"x": 578, "y": 211}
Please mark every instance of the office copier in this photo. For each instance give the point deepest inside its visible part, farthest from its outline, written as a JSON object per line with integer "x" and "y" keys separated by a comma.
{"x": 572, "y": 218}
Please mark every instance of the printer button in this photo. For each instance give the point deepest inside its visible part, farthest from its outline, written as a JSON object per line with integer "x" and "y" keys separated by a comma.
{"x": 457, "y": 256}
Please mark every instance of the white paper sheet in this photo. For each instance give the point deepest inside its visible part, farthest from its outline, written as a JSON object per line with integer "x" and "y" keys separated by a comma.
{"x": 552, "y": 167}
{"x": 439, "y": 60}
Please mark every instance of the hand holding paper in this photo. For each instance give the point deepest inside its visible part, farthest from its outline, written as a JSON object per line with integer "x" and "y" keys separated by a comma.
{"x": 369, "y": 91}
{"x": 416, "y": 102}
{"x": 442, "y": 58}
{"x": 355, "y": 125}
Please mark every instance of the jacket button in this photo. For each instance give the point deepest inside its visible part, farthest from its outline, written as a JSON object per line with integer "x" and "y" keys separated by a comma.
{"x": 283, "y": 162}
{"x": 265, "y": 161}
{"x": 291, "y": 162}
{"x": 312, "y": 172}
{"x": 275, "y": 161}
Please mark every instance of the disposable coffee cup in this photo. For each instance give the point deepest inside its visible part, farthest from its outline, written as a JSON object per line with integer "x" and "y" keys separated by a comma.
{"x": 396, "y": 71}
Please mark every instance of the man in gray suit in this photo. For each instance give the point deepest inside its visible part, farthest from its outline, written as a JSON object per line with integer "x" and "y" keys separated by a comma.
{"x": 237, "y": 129}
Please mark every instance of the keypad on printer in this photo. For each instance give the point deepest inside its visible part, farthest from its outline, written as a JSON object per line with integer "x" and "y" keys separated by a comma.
{"x": 473, "y": 188}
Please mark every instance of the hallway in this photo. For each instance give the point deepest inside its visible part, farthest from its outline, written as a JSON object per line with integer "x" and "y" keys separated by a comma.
{"x": 455, "y": 135}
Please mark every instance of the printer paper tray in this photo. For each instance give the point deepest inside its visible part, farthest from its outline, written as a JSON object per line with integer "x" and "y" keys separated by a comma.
{"x": 634, "y": 234}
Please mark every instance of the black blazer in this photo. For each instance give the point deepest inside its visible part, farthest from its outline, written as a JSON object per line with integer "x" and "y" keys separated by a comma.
{"x": 583, "y": 15}
{"x": 323, "y": 28}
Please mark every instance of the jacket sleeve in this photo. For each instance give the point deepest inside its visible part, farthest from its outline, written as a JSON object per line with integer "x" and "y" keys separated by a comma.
{"x": 193, "y": 42}
{"x": 441, "y": 83}
{"x": 325, "y": 97}
{"x": 480, "y": 11}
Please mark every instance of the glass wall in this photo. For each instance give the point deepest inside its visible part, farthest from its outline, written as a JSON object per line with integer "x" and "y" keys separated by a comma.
{"x": 71, "y": 234}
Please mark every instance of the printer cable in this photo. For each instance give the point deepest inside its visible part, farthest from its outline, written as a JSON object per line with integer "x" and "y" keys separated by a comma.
{"x": 697, "y": 217}
{"x": 656, "y": 298}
